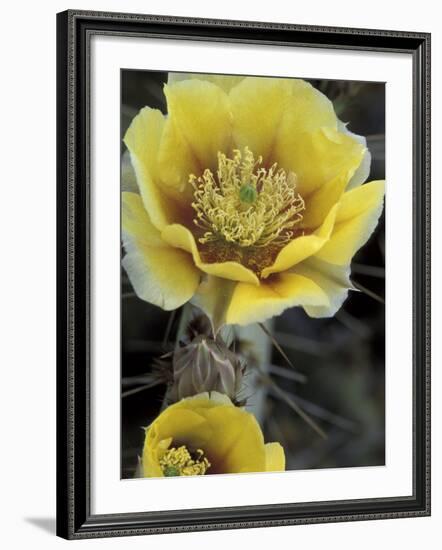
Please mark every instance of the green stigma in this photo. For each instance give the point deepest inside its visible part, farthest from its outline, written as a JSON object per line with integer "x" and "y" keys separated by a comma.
{"x": 171, "y": 471}
{"x": 248, "y": 193}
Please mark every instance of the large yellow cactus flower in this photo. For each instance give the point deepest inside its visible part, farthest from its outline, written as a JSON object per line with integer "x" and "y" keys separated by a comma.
{"x": 250, "y": 199}
{"x": 207, "y": 434}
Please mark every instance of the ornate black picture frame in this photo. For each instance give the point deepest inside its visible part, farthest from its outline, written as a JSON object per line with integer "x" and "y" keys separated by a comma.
{"x": 74, "y": 32}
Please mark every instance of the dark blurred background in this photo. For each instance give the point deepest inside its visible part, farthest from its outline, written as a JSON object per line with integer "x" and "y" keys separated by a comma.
{"x": 342, "y": 358}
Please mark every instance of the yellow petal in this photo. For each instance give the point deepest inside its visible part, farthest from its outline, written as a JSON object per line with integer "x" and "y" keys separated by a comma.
{"x": 201, "y": 113}
{"x": 160, "y": 274}
{"x": 176, "y": 161}
{"x": 321, "y": 200}
{"x": 150, "y": 466}
{"x": 275, "y": 457}
{"x": 142, "y": 140}
{"x": 224, "y": 81}
{"x": 181, "y": 237}
{"x": 307, "y": 110}
{"x": 302, "y": 247}
{"x": 363, "y": 171}
{"x": 184, "y": 425}
{"x": 334, "y": 282}
{"x": 319, "y": 203}
{"x": 258, "y": 105}
{"x": 253, "y": 304}
{"x": 356, "y": 218}
{"x": 318, "y": 157}
{"x": 237, "y": 445}
{"x": 268, "y": 110}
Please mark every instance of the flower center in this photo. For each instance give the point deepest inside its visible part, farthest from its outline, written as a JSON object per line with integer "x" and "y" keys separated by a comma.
{"x": 246, "y": 204}
{"x": 180, "y": 462}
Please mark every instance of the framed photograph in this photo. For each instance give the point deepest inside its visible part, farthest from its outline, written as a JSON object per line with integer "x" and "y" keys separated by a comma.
{"x": 243, "y": 274}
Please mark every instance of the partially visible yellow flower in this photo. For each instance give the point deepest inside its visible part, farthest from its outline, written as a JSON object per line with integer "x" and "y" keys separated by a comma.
{"x": 250, "y": 199}
{"x": 207, "y": 434}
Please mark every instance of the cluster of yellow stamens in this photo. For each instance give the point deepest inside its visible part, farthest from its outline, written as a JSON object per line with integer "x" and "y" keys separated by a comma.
{"x": 179, "y": 462}
{"x": 246, "y": 204}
